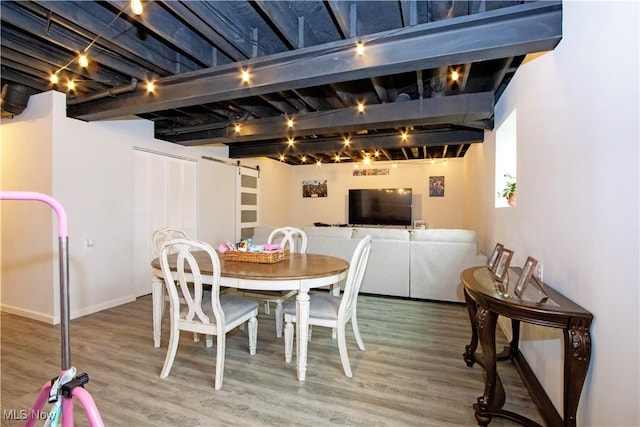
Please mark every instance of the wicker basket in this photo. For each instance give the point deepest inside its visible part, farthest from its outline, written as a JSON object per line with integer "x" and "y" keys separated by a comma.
{"x": 269, "y": 257}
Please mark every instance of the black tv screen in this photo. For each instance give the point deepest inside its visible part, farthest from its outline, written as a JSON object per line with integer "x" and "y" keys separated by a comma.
{"x": 380, "y": 206}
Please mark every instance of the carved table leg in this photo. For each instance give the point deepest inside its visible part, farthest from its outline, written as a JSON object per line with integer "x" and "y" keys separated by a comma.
{"x": 302, "y": 331}
{"x": 493, "y": 398}
{"x": 469, "y": 353}
{"x": 158, "y": 307}
{"x": 577, "y": 354}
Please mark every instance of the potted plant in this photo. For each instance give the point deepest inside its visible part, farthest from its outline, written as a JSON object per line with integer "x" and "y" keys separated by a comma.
{"x": 509, "y": 191}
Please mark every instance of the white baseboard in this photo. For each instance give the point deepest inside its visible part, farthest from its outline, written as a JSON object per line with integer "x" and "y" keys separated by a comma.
{"x": 54, "y": 320}
{"x": 99, "y": 307}
{"x": 18, "y": 311}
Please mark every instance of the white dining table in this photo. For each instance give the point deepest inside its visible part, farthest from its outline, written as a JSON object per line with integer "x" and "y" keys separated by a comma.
{"x": 300, "y": 272}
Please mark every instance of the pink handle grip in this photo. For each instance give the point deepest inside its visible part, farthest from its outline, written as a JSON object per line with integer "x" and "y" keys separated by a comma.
{"x": 63, "y": 229}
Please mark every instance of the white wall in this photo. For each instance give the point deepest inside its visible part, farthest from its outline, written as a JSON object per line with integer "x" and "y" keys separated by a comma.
{"x": 578, "y": 187}
{"x": 29, "y": 232}
{"x": 88, "y": 167}
{"x": 276, "y": 201}
{"x": 439, "y": 212}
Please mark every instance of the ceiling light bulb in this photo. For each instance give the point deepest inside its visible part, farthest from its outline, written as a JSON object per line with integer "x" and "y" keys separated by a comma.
{"x": 136, "y": 7}
{"x": 405, "y": 136}
{"x": 151, "y": 87}
{"x": 83, "y": 60}
{"x": 347, "y": 141}
{"x": 367, "y": 160}
{"x": 454, "y": 75}
{"x": 245, "y": 76}
{"x": 291, "y": 141}
{"x": 238, "y": 127}
{"x": 71, "y": 85}
{"x": 290, "y": 123}
{"x": 360, "y": 48}
{"x": 360, "y": 107}
{"x": 282, "y": 157}
{"x": 395, "y": 165}
{"x": 318, "y": 163}
{"x": 304, "y": 159}
{"x": 376, "y": 153}
{"x": 337, "y": 157}
{"x": 53, "y": 78}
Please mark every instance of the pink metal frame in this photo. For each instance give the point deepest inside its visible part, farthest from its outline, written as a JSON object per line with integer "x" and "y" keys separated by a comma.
{"x": 95, "y": 420}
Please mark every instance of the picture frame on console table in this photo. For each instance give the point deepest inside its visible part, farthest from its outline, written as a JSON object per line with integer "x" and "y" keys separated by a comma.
{"x": 501, "y": 268}
{"x": 491, "y": 261}
{"x": 527, "y": 272}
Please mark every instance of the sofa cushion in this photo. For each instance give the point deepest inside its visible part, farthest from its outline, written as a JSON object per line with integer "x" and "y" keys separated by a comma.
{"x": 381, "y": 233}
{"x": 261, "y": 234}
{"x": 330, "y": 232}
{"x": 444, "y": 235}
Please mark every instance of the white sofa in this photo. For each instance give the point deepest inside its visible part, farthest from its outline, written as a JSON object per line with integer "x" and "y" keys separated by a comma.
{"x": 424, "y": 264}
{"x": 438, "y": 257}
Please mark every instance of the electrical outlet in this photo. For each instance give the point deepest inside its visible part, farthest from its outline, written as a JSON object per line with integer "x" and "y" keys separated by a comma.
{"x": 538, "y": 272}
{"x": 88, "y": 244}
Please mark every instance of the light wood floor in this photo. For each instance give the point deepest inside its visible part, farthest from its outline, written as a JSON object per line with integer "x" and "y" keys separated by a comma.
{"x": 411, "y": 374}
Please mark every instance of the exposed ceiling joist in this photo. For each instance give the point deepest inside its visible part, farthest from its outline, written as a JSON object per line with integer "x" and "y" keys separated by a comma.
{"x": 369, "y": 142}
{"x": 431, "y": 111}
{"x": 430, "y": 45}
{"x": 302, "y": 63}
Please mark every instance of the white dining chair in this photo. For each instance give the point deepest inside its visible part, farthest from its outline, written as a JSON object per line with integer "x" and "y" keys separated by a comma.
{"x": 295, "y": 240}
{"x": 333, "y": 311}
{"x": 204, "y": 311}
{"x": 164, "y": 235}
{"x": 158, "y": 295}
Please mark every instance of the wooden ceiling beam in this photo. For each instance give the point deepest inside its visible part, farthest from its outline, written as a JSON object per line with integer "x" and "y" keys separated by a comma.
{"x": 293, "y": 30}
{"x": 89, "y": 19}
{"x": 513, "y": 31}
{"x": 64, "y": 39}
{"x": 368, "y": 142}
{"x": 430, "y": 111}
{"x": 159, "y": 21}
{"x": 192, "y": 12}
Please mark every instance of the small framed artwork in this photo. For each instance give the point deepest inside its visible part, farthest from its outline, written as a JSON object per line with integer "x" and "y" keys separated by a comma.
{"x": 501, "y": 268}
{"x": 436, "y": 186}
{"x": 314, "y": 188}
{"x": 527, "y": 272}
{"x": 491, "y": 261}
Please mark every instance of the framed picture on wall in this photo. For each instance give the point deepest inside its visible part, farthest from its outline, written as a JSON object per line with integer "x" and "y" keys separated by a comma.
{"x": 491, "y": 261}
{"x": 525, "y": 277}
{"x": 501, "y": 269}
{"x": 436, "y": 186}
{"x": 314, "y": 188}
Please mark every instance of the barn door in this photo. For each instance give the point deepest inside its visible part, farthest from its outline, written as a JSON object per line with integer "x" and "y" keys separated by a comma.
{"x": 247, "y": 213}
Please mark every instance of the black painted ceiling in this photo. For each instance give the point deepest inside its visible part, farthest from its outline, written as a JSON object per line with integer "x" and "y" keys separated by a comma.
{"x": 302, "y": 65}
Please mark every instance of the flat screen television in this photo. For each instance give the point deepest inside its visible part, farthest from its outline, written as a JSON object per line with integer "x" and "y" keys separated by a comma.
{"x": 380, "y": 206}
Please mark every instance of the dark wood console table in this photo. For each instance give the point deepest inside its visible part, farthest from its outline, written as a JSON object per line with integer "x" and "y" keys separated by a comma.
{"x": 486, "y": 300}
